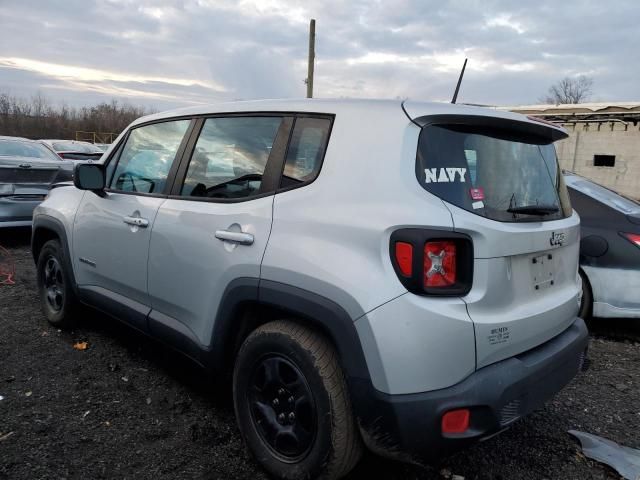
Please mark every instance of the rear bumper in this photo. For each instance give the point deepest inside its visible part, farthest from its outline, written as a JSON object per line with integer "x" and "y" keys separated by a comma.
{"x": 17, "y": 211}
{"x": 407, "y": 427}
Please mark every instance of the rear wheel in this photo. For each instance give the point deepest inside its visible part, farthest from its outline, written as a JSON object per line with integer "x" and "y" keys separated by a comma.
{"x": 58, "y": 301}
{"x": 292, "y": 403}
{"x": 586, "y": 302}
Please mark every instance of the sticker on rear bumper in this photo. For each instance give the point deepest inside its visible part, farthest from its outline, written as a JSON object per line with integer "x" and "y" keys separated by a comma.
{"x": 499, "y": 335}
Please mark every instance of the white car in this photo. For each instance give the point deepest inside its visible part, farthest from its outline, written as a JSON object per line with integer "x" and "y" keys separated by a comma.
{"x": 339, "y": 262}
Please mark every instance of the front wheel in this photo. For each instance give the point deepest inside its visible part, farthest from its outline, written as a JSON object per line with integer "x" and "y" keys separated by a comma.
{"x": 58, "y": 301}
{"x": 292, "y": 403}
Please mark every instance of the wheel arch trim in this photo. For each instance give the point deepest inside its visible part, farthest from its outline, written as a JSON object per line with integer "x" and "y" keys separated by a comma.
{"x": 304, "y": 306}
{"x": 43, "y": 223}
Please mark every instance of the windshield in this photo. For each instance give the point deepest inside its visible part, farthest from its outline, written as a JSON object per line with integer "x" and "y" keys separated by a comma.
{"x": 20, "y": 148}
{"x": 604, "y": 195}
{"x": 75, "y": 147}
{"x": 493, "y": 173}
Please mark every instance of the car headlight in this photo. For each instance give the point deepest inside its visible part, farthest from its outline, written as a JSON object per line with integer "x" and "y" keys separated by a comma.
{"x": 7, "y": 188}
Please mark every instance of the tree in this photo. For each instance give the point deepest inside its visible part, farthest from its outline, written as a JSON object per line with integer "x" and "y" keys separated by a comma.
{"x": 570, "y": 90}
{"x": 37, "y": 118}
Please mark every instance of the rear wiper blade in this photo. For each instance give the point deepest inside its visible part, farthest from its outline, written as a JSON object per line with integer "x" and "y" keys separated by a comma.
{"x": 534, "y": 209}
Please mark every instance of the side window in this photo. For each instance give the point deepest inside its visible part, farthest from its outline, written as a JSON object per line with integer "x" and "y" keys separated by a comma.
{"x": 306, "y": 151}
{"x": 147, "y": 156}
{"x": 230, "y": 157}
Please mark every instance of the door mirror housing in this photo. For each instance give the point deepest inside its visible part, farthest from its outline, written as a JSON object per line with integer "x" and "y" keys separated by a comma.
{"x": 89, "y": 176}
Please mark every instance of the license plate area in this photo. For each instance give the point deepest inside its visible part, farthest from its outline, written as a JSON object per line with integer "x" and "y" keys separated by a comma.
{"x": 542, "y": 270}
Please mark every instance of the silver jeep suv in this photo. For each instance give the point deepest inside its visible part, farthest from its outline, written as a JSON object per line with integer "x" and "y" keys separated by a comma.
{"x": 400, "y": 276}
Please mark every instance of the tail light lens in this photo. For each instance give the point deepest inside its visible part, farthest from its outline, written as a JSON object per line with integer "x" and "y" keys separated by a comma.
{"x": 404, "y": 257}
{"x": 633, "y": 238}
{"x": 439, "y": 264}
{"x": 432, "y": 262}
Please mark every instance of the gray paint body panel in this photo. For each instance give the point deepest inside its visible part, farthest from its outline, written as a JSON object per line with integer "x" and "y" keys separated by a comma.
{"x": 615, "y": 292}
{"x": 189, "y": 268}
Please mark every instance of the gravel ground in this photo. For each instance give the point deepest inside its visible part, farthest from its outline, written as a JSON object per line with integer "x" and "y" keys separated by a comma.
{"x": 126, "y": 407}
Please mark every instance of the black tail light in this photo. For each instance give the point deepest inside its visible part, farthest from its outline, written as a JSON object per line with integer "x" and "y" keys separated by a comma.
{"x": 432, "y": 262}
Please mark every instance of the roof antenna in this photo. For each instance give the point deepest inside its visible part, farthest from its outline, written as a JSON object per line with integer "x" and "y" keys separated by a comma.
{"x": 455, "y": 94}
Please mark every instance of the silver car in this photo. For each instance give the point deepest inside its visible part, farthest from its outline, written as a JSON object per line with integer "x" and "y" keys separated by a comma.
{"x": 27, "y": 172}
{"x": 400, "y": 276}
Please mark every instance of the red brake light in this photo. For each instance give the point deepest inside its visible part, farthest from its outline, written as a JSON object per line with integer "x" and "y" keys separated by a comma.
{"x": 456, "y": 421}
{"x": 404, "y": 257}
{"x": 633, "y": 238}
{"x": 439, "y": 264}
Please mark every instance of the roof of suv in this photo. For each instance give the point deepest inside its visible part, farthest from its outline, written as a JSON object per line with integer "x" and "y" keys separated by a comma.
{"x": 341, "y": 106}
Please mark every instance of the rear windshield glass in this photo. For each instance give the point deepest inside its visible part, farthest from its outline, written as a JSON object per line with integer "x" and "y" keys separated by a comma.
{"x": 75, "y": 147}
{"x": 492, "y": 173}
{"x": 18, "y": 148}
{"x": 604, "y": 195}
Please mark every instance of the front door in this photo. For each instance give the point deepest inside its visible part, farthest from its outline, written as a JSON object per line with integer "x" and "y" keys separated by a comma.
{"x": 215, "y": 227}
{"x": 112, "y": 231}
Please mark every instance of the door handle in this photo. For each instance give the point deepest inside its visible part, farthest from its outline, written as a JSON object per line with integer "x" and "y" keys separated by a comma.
{"x": 137, "y": 221}
{"x": 235, "y": 237}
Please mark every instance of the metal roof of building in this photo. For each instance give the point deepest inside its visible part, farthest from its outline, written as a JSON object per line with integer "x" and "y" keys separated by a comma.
{"x": 582, "y": 112}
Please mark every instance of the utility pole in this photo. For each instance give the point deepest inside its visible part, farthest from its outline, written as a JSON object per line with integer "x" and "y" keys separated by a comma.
{"x": 312, "y": 57}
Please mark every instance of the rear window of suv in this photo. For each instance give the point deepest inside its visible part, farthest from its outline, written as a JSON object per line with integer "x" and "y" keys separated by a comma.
{"x": 493, "y": 173}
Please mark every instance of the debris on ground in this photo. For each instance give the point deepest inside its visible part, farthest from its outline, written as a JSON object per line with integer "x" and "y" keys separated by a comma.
{"x": 81, "y": 345}
{"x": 624, "y": 460}
{"x": 445, "y": 473}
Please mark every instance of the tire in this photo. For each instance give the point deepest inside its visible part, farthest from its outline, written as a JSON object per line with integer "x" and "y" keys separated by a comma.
{"x": 292, "y": 404}
{"x": 57, "y": 298}
{"x": 586, "y": 302}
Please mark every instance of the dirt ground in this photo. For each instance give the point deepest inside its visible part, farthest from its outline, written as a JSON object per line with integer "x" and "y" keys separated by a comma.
{"x": 126, "y": 407}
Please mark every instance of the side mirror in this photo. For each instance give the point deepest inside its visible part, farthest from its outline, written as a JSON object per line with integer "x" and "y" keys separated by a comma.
{"x": 89, "y": 176}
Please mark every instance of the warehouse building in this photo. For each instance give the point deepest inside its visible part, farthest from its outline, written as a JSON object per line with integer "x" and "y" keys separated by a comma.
{"x": 604, "y": 141}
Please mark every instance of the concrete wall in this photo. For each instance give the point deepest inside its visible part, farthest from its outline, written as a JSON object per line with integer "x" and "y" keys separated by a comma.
{"x": 607, "y": 138}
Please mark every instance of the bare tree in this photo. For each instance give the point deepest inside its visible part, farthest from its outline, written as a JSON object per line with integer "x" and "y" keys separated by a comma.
{"x": 569, "y": 90}
{"x": 37, "y": 118}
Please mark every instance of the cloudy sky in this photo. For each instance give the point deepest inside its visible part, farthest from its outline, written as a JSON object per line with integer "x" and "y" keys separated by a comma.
{"x": 168, "y": 53}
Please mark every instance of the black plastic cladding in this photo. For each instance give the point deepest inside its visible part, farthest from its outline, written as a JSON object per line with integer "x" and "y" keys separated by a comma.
{"x": 418, "y": 237}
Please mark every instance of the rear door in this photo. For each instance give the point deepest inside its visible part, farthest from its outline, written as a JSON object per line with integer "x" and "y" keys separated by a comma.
{"x": 500, "y": 180}
{"x": 112, "y": 231}
{"x": 214, "y": 228}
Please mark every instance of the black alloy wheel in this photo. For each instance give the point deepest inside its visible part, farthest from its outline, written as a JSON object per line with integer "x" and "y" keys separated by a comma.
{"x": 53, "y": 282}
{"x": 292, "y": 403}
{"x": 282, "y": 407}
{"x": 55, "y": 286}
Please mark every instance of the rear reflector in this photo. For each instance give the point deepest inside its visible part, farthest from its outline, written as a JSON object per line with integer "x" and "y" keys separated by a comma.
{"x": 456, "y": 421}
{"x": 404, "y": 257}
{"x": 439, "y": 264}
{"x": 633, "y": 238}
